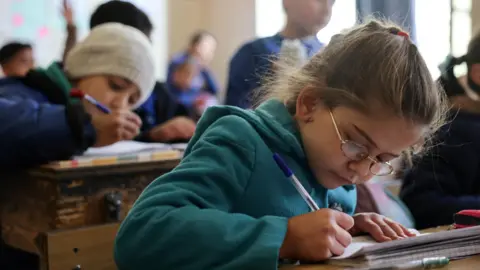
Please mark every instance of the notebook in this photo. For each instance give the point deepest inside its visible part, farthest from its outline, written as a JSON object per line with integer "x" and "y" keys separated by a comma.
{"x": 125, "y": 147}
{"x": 120, "y": 152}
{"x": 365, "y": 252}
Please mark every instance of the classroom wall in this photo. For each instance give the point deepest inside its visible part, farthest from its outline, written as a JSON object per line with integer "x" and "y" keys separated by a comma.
{"x": 475, "y": 16}
{"x": 233, "y": 23}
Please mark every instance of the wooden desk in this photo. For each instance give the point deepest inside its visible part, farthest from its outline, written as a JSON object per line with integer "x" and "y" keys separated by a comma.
{"x": 47, "y": 208}
{"x": 68, "y": 248}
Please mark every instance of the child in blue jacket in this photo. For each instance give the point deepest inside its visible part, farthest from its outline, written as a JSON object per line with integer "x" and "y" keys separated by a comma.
{"x": 337, "y": 121}
{"x": 40, "y": 122}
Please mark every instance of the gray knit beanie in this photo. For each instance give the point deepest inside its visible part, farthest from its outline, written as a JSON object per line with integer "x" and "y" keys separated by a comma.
{"x": 114, "y": 49}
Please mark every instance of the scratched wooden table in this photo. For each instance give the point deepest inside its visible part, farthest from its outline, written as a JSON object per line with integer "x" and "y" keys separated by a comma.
{"x": 470, "y": 263}
{"x": 67, "y": 216}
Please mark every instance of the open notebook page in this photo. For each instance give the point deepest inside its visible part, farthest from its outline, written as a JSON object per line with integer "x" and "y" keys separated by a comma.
{"x": 360, "y": 244}
{"x": 125, "y": 147}
{"x": 365, "y": 246}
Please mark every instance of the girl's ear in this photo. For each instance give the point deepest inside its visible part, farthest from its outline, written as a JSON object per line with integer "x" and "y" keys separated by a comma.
{"x": 307, "y": 102}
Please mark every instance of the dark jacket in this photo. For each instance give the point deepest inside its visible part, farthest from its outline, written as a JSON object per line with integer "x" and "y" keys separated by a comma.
{"x": 160, "y": 107}
{"x": 38, "y": 124}
{"x": 252, "y": 62}
{"x": 447, "y": 178}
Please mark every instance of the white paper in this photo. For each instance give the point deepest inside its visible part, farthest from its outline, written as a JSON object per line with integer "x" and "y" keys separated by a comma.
{"x": 360, "y": 244}
{"x": 125, "y": 147}
{"x": 367, "y": 246}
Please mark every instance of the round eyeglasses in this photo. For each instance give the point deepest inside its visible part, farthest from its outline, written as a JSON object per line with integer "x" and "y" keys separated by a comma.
{"x": 357, "y": 152}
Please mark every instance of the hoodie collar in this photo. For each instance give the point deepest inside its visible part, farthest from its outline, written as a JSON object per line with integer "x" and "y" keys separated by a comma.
{"x": 52, "y": 82}
{"x": 283, "y": 126}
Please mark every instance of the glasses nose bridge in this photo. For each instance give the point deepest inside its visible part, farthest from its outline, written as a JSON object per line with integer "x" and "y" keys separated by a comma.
{"x": 374, "y": 160}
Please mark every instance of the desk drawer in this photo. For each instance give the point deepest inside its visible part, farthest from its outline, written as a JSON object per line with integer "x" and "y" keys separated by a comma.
{"x": 90, "y": 247}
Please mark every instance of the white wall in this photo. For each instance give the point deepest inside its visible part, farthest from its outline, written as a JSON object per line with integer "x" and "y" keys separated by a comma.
{"x": 38, "y": 14}
{"x": 233, "y": 23}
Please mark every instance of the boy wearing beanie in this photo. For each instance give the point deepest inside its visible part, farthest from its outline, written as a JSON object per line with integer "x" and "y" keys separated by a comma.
{"x": 164, "y": 118}
{"x": 41, "y": 122}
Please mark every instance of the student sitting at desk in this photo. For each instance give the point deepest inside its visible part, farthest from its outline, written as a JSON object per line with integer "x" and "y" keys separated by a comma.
{"x": 254, "y": 59}
{"x": 40, "y": 122}
{"x": 16, "y": 59}
{"x": 189, "y": 78}
{"x": 446, "y": 179}
{"x": 163, "y": 118}
{"x": 335, "y": 121}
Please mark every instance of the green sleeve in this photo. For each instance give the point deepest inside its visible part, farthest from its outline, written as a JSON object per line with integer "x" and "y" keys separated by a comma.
{"x": 183, "y": 220}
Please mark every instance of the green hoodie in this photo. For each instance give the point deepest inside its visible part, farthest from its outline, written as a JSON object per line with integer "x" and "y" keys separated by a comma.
{"x": 53, "y": 83}
{"x": 226, "y": 205}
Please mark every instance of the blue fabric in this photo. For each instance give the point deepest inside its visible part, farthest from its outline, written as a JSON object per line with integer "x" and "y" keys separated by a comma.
{"x": 401, "y": 12}
{"x": 160, "y": 107}
{"x": 33, "y": 130}
{"x": 446, "y": 179}
{"x": 252, "y": 62}
{"x": 227, "y": 204}
{"x": 203, "y": 82}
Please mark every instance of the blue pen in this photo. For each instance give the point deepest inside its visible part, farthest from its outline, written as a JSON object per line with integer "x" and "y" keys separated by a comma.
{"x": 99, "y": 105}
{"x": 80, "y": 94}
{"x": 296, "y": 183}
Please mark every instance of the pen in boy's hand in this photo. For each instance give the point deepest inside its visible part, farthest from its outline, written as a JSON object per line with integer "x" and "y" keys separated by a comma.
{"x": 80, "y": 94}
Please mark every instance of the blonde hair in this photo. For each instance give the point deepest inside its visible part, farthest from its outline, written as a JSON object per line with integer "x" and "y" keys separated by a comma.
{"x": 368, "y": 64}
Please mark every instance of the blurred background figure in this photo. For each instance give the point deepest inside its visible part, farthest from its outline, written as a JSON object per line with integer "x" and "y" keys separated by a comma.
{"x": 189, "y": 77}
{"x": 297, "y": 40}
{"x": 16, "y": 59}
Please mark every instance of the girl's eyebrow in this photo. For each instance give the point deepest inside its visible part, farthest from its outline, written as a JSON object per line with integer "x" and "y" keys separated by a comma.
{"x": 369, "y": 139}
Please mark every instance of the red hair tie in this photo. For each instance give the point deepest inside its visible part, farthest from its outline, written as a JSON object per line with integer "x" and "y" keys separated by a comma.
{"x": 403, "y": 34}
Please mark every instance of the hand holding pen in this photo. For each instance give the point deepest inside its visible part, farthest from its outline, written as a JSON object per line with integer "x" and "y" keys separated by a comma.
{"x": 110, "y": 126}
{"x": 80, "y": 94}
{"x": 317, "y": 235}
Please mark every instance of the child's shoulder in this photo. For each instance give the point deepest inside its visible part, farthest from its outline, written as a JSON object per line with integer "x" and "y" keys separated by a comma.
{"x": 14, "y": 88}
{"x": 229, "y": 123}
{"x": 228, "y": 120}
{"x": 260, "y": 46}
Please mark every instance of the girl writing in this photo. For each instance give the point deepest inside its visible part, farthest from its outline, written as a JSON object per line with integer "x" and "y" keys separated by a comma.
{"x": 337, "y": 121}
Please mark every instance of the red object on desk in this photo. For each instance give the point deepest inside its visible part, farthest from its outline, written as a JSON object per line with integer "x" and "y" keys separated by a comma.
{"x": 466, "y": 218}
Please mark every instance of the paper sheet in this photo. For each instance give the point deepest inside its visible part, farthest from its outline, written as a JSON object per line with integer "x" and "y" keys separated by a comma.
{"x": 359, "y": 244}
{"x": 125, "y": 147}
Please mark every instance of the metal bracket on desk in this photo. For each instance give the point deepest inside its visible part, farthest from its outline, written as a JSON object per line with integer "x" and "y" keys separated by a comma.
{"x": 78, "y": 266}
{"x": 113, "y": 203}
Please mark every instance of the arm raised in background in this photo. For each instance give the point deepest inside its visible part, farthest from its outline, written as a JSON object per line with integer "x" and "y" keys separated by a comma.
{"x": 71, "y": 40}
{"x": 441, "y": 183}
{"x": 183, "y": 221}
